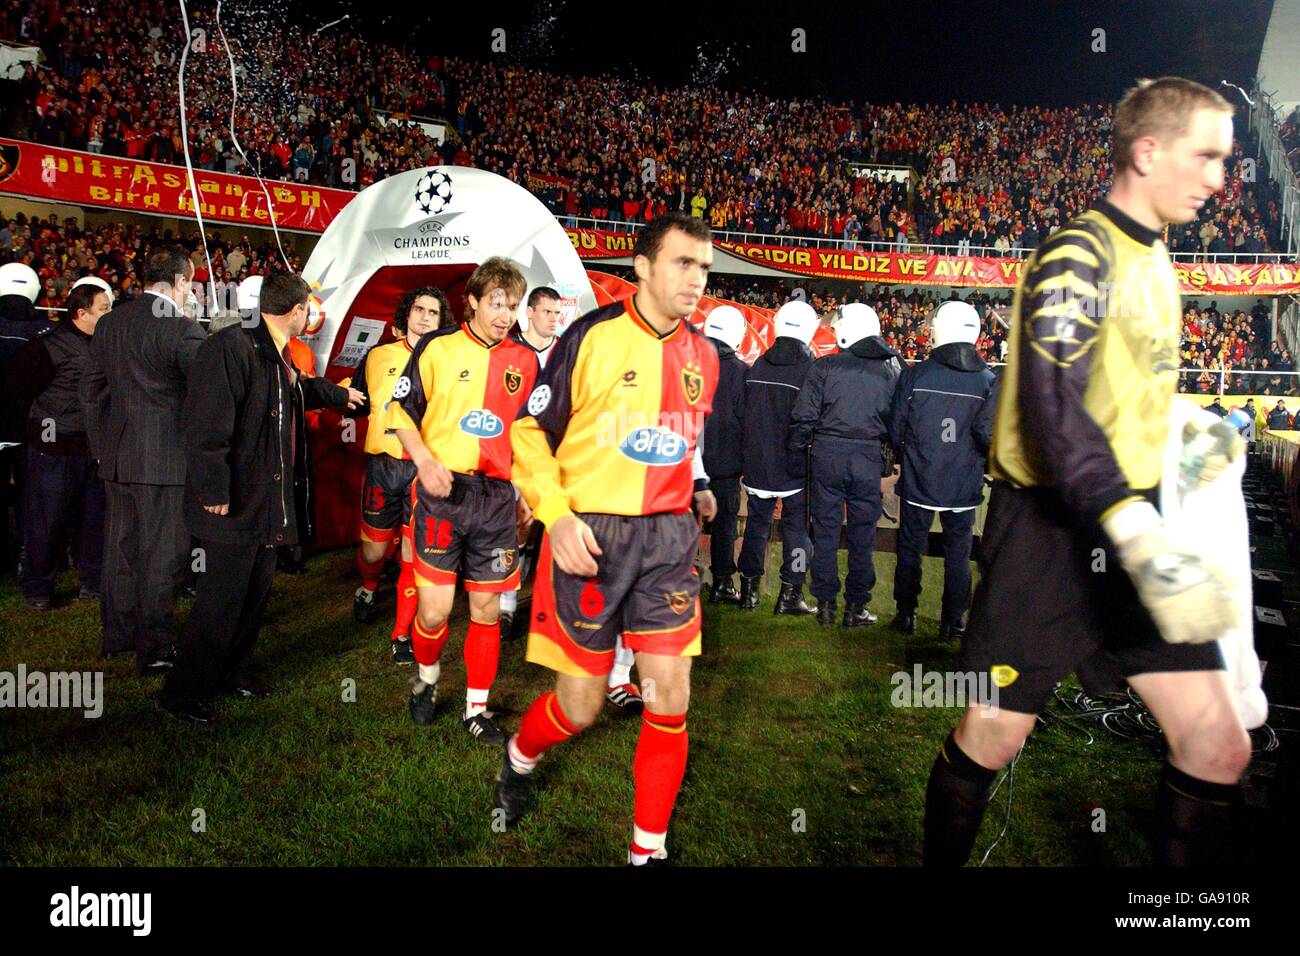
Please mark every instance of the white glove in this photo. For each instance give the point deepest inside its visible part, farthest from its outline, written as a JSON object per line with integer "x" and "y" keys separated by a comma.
{"x": 1208, "y": 451}
{"x": 1190, "y": 599}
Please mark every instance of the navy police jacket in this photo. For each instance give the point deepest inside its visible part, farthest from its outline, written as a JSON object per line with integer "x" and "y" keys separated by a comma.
{"x": 942, "y": 424}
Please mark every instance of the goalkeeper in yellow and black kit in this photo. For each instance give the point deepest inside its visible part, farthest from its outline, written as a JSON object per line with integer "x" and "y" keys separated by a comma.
{"x": 1077, "y": 457}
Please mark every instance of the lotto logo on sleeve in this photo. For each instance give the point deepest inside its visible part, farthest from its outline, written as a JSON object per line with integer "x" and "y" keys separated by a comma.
{"x": 654, "y": 446}
{"x": 481, "y": 424}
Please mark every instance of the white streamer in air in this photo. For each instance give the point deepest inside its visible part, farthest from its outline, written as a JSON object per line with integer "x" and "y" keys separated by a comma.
{"x": 234, "y": 103}
{"x": 189, "y": 166}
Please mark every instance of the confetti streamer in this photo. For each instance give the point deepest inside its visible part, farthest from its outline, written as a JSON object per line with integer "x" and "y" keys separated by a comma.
{"x": 189, "y": 165}
{"x": 234, "y": 103}
{"x": 318, "y": 29}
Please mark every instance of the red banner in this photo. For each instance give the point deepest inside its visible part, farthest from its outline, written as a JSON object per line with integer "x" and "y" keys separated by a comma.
{"x": 1269, "y": 278}
{"x": 892, "y": 267}
{"x": 595, "y": 244}
{"x": 90, "y": 179}
{"x": 131, "y": 185}
{"x": 1194, "y": 278}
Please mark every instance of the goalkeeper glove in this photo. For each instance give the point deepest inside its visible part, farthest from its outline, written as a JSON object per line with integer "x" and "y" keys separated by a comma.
{"x": 1189, "y": 599}
{"x": 1208, "y": 451}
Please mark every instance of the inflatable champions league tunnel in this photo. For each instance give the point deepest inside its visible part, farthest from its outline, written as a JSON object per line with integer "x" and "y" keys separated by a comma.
{"x": 429, "y": 226}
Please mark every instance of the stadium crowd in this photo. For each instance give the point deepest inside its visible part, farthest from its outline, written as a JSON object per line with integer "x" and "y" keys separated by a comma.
{"x": 1000, "y": 178}
{"x": 1236, "y": 347}
{"x": 60, "y": 253}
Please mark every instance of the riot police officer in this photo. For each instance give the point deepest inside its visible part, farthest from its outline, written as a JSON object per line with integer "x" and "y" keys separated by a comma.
{"x": 771, "y": 387}
{"x": 942, "y": 423}
{"x": 843, "y": 413}
{"x": 722, "y": 444}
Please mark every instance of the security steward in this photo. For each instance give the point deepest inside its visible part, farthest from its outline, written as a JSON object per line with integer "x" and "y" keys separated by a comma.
{"x": 843, "y": 413}
{"x": 942, "y": 424}
{"x": 772, "y": 385}
{"x": 722, "y": 444}
{"x": 246, "y": 488}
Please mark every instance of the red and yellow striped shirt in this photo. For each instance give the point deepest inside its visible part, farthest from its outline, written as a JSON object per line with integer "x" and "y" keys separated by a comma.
{"x": 612, "y": 426}
{"x": 462, "y": 395}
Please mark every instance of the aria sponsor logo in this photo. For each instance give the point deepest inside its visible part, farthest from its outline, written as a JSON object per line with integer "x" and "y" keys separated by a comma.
{"x": 634, "y": 433}
{"x": 76, "y": 690}
{"x": 481, "y": 424}
{"x": 77, "y": 909}
{"x": 654, "y": 446}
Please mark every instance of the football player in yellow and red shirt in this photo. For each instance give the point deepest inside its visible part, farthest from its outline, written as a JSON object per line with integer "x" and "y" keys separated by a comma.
{"x": 453, "y": 410}
{"x": 606, "y": 457}
{"x": 386, "y": 490}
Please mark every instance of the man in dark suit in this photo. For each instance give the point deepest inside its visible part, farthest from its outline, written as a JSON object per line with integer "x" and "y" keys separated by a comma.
{"x": 133, "y": 389}
{"x": 246, "y": 489}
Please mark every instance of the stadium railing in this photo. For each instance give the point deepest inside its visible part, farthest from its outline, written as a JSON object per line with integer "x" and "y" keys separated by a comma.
{"x": 870, "y": 245}
{"x": 1265, "y": 122}
{"x": 1222, "y": 381}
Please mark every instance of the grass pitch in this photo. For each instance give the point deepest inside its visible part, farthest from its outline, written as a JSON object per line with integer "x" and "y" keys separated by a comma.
{"x": 797, "y": 755}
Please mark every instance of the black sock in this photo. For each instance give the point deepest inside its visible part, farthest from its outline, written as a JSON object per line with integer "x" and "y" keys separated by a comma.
{"x": 955, "y": 799}
{"x": 1195, "y": 817}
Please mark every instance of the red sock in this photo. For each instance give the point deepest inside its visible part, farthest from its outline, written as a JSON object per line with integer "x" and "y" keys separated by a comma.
{"x": 407, "y": 600}
{"x": 657, "y": 771}
{"x": 427, "y": 645}
{"x": 543, "y": 726}
{"x": 369, "y": 572}
{"x": 482, "y": 648}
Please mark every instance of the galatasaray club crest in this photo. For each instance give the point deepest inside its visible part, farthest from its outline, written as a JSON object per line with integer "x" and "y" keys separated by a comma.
{"x": 679, "y": 601}
{"x": 514, "y": 378}
{"x": 692, "y": 383}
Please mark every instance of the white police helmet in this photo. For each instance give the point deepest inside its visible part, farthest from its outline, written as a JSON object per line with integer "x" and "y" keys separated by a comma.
{"x": 726, "y": 323}
{"x": 796, "y": 320}
{"x": 856, "y": 322}
{"x": 955, "y": 322}
{"x": 99, "y": 284}
{"x": 249, "y": 294}
{"x": 17, "y": 278}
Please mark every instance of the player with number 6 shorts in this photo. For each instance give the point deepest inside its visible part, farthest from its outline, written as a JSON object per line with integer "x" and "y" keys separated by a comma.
{"x": 453, "y": 410}
{"x": 606, "y": 456}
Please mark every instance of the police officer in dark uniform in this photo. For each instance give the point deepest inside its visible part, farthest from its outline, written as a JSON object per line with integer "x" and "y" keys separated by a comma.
{"x": 942, "y": 424}
{"x": 19, "y": 323}
{"x": 843, "y": 413}
{"x": 722, "y": 444}
{"x": 771, "y": 387}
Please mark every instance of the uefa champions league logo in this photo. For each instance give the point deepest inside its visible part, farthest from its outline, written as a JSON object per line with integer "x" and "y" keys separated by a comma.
{"x": 433, "y": 192}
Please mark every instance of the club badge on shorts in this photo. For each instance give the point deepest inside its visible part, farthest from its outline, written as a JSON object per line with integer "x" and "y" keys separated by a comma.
{"x": 679, "y": 601}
